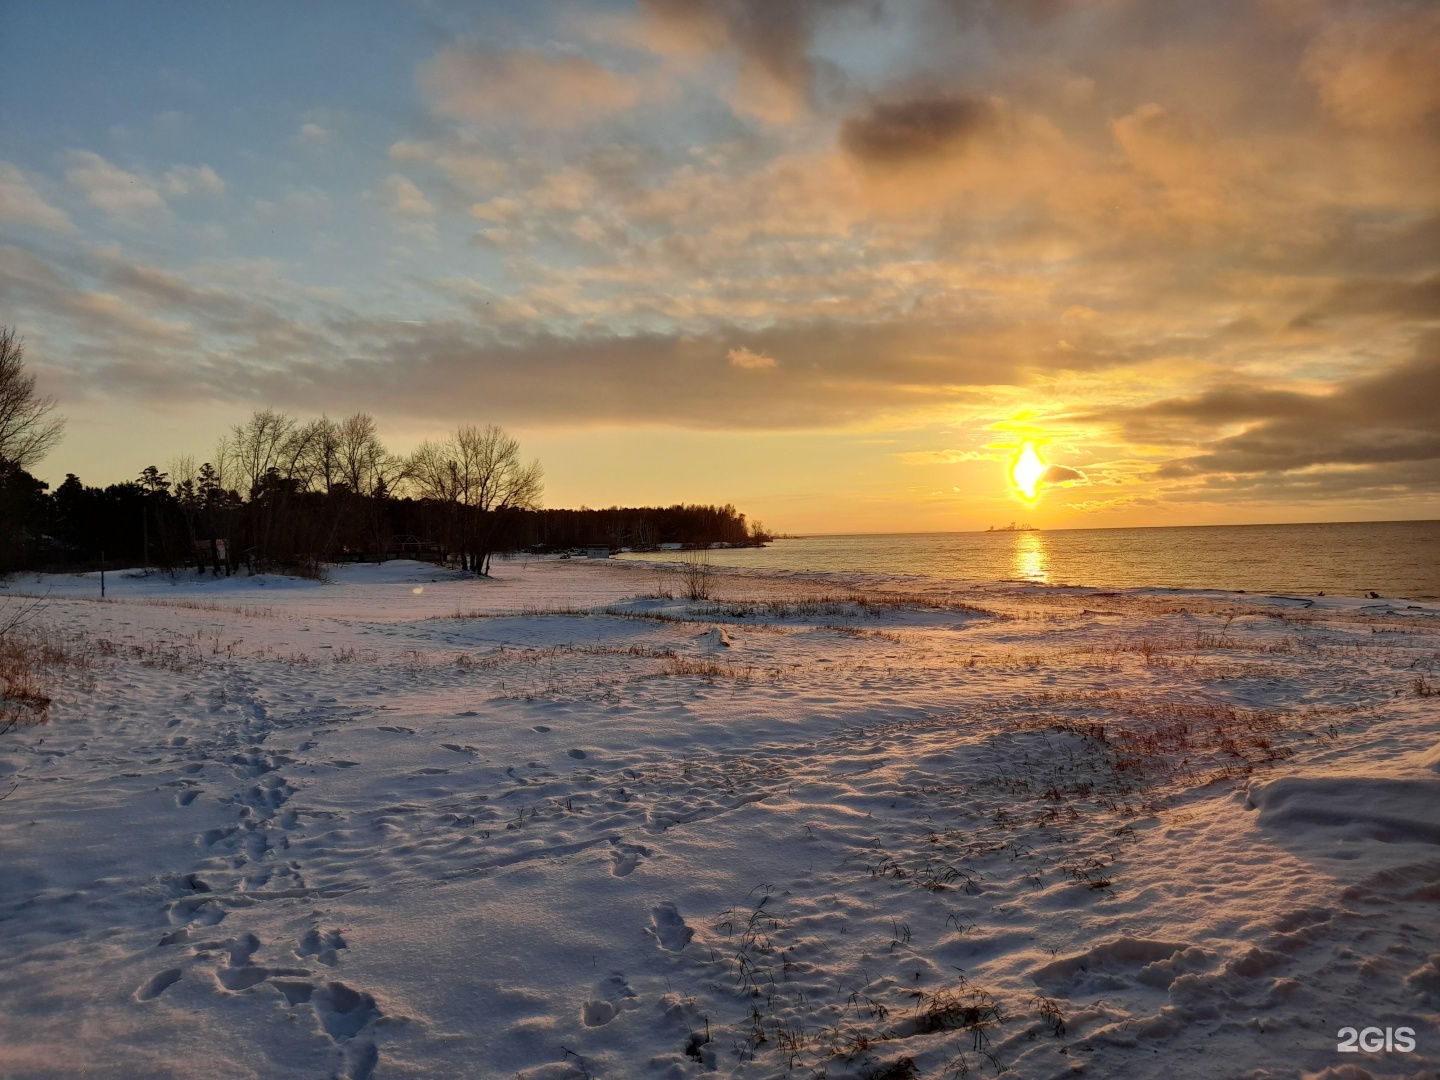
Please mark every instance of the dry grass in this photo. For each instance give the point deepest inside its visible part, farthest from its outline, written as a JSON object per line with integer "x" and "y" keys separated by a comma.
{"x": 28, "y": 654}
{"x": 833, "y": 605}
{"x": 710, "y": 669}
{"x": 23, "y": 699}
{"x": 249, "y": 611}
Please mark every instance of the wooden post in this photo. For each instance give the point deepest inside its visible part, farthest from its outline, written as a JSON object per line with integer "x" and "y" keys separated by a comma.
{"x": 102, "y": 575}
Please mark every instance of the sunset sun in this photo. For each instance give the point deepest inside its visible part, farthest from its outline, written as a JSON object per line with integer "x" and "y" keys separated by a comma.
{"x": 1026, "y": 471}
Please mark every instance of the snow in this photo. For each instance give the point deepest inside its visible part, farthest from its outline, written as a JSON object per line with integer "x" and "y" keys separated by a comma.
{"x": 405, "y": 822}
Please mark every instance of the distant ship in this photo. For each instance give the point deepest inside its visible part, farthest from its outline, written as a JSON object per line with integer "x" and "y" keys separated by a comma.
{"x": 1012, "y": 527}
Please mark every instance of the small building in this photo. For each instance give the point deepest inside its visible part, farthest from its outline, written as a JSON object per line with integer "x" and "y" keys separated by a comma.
{"x": 597, "y": 552}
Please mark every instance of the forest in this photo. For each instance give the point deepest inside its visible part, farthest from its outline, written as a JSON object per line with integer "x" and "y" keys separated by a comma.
{"x": 283, "y": 494}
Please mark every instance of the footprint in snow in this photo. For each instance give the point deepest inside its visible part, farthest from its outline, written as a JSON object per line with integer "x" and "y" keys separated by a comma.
{"x": 614, "y": 997}
{"x": 595, "y": 1013}
{"x": 322, "y": 946}
{"x": 343, "y": 1011}
{"x": 237, "y": 979}
{"x": 156, "y": 985}
{"x": 577, "y": 754}
{"x": 668, "y": 928}
{"x": 625, "y": 857}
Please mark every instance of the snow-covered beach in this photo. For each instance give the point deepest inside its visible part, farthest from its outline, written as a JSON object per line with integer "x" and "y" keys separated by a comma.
{"x": 560, "y": 824}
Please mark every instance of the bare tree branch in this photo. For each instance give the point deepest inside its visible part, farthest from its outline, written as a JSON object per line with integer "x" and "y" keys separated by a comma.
{"x": 27, "y": 429}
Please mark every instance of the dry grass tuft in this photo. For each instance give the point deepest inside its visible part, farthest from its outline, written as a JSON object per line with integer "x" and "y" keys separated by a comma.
{"x": 26, "y": 653}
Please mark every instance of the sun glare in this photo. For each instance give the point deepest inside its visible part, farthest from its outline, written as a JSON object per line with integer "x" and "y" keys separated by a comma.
{"x": 1025, "y": 473}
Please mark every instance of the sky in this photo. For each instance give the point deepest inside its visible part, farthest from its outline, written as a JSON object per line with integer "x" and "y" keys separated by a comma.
{"x": 833, "y": 261}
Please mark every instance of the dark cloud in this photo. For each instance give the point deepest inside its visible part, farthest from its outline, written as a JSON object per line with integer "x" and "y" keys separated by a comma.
{"x": 1061, "y": 474}
{"x": 918, "y": 130}
{"x": 775, "y": 35}
{"x": 1367, "y": 425}
{"x": 1378, "y": 296}
{"x": 133, "y": 331}
{"x": 1217, "y": 408}
{"x": 824, "y": 376}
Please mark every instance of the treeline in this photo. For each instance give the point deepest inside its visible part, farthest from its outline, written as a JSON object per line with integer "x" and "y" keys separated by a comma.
{"x": 280, "y": 494}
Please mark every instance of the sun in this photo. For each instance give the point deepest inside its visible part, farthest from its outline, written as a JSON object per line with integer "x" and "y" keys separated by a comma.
{"x": 1026, "y": 471}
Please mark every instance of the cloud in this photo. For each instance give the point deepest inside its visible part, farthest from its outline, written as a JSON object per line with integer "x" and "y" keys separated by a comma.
{"x": 943, "y": 457}
{"x": 1381, "y": 69}
{"x": 776, "y": 73}
{"x": 1414, "y": 299}
{"x": 918, "y": 152}
{"x": 498, "y": 209}
{"x": 410, "y": 210}
{"x": 1062, "y": 474}
{"x": 110, "y": 187}
{"x": 463, "y": 164}
{"x": 311, "y": 134}
{"x": 407, "y": 200}
{"x": 192, "y": 180}
{"x": 122, "y": 193}
{"x": 918, "y": 130}
{"x": 749, "y": 361}
{"x": 141, "y": 331}
{"x": 1371, "y": 424}
{"x": 1197, "y": 171}
{"x": 474, "y": 82}
{"x": 20, "y": 202}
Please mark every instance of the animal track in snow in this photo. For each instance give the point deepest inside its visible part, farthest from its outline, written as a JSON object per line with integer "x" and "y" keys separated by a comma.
{"x": 668, "y": 928}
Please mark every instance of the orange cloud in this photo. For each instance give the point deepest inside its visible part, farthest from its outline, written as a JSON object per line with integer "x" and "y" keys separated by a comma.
{"x": 750, "y": 361}
{"x": 1380, "y": 72}
{"x": 473, "y": 82}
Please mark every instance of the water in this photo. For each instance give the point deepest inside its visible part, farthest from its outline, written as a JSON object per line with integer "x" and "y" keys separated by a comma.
{"x": 1392, "y": 558}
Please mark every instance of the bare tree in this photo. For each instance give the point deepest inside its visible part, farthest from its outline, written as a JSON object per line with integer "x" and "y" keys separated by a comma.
{"x": 365, "y": 465}
{"x": 478, "y": 474}
{"x": 500, "y": 481}
{"x": 256, "y": 447}
{"x": 322, "y": 454}
{"x": 27, "y": 429}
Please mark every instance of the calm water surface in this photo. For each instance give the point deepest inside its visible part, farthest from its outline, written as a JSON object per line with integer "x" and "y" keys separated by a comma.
{"x": 1392, "y": 558}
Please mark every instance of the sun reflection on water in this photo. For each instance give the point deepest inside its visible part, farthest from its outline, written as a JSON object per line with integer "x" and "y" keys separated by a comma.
{"x": 1030, "y": 560}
